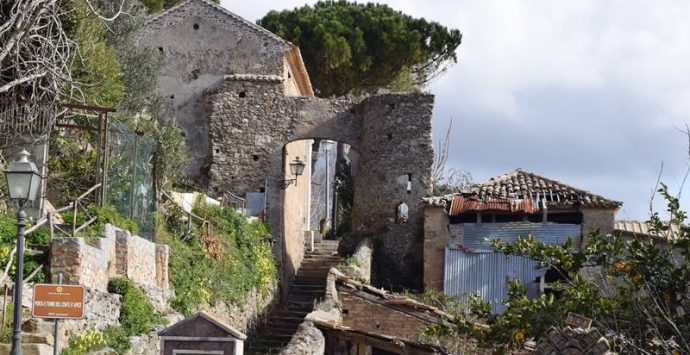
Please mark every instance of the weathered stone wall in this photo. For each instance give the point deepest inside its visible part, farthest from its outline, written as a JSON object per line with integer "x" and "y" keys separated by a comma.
{"x": 395, "y": 148}
{"x": 597, "y": 218}
{"x": 375, "y": 318}
{"x": 117, "y": 254}
{"x": 308, "y": 340}
{"x": 201, "y": 43}
{"x": 364, "y": 254}
{"x": 436, "y": 236}
{"x": 392, "y": 133}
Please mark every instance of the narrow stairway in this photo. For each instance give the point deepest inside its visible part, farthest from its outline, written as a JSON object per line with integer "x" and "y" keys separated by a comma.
{"x": 309, "y": 285}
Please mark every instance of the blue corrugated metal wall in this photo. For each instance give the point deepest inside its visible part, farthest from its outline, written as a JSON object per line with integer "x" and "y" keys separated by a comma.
{"x": 475, "y": 234}
{"x": 488, "y": 275}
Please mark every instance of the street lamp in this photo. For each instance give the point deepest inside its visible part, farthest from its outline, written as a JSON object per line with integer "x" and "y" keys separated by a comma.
{"x": 327, "y": 146}
{"x": 22, "y": 183}
{"x": 296, "y": 168}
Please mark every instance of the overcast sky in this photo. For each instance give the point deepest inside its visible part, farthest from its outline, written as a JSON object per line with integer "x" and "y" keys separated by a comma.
{"x": 592, "y": 93}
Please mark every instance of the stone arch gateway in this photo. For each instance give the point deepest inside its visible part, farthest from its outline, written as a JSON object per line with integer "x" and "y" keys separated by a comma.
{"x": 251, "y": 120}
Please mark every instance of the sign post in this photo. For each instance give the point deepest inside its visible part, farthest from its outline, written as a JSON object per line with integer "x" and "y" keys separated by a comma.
{"x": 58, "y": 301}
{"x": 56, "y": 335}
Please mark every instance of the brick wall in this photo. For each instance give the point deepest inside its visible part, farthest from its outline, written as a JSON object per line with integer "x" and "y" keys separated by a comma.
{"x": 117, "y": 254}
{"x": 364, "y": 315}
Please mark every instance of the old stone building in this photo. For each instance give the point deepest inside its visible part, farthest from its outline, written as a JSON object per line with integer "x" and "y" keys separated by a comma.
{"x": 201, "y": 43}
{"x": 368, "y": 320}
{"x": 244, "y": 101}
{"x": 457, "y": 256}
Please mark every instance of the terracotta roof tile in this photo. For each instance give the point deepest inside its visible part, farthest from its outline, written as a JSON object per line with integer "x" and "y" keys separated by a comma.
{"x": 521, "y": 184}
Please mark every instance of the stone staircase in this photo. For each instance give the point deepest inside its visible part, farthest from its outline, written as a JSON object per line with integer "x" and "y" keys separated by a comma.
{"x": 309, "y": 285}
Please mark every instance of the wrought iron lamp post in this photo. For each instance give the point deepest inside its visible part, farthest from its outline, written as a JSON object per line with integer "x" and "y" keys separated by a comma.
{"x": 327, "y": 146}
{"x": 22, "y": 182}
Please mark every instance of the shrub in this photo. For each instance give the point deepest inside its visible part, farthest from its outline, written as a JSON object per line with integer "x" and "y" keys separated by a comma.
{"x": 117, "y": 339}
{"x": 221, "y": 262}
{"x": 137, "y": 315}
{"x": 106, "y": 214}
{"x": 85, "y": 342}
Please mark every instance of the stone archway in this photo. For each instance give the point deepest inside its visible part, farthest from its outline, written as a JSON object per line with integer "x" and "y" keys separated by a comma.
{"x": 251, "y": 120}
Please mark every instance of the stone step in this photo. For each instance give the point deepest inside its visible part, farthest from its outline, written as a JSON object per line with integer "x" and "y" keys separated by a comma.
{"x": 29, "y": 349}
{"x": 309, "y": 293}
{"x": 308, "y": 285}
{"x": 292, "y": 313}
{"x": 300, "y": 287}
{"x": 38, "y": 338}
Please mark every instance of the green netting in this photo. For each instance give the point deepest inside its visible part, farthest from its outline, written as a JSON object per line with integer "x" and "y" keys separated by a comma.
{"x": 129, "y": 185}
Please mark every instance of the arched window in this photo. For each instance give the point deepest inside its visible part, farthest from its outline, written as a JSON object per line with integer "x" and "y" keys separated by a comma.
{"x": 402, "y": 213}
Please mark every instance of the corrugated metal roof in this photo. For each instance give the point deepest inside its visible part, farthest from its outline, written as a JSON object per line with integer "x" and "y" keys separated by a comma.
{"x": 488, "y": 275}
{"x": 475, "y": 234}
{"x": 642, "y": 229}
{"x": 461, "y": 204}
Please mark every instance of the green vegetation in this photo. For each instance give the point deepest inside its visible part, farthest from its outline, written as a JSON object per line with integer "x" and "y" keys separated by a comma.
{"x": 223, "y": 260}
{"x": 115, "y": 338}
{"x": 106, "y": 214}
{"x": 84, "y": 342}
{"x": 8, "y": 235}
{"x": 137, "y": 317}
{"x": 360, "y": 48}
{"x": 641, "y": 303}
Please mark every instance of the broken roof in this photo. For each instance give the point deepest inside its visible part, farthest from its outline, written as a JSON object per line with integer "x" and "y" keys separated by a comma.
{"x": 397, "y": 302}
{"x": 519, "y": 184}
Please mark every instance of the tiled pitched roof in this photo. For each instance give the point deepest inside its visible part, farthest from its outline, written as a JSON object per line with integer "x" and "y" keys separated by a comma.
{"x": 520, "y": 184}
{"x": 250, "y": 25}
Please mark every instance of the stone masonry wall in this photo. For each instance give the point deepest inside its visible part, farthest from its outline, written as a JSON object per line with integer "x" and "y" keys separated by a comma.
{"x": 395, "y": 148}
{"x": 251, "y": 120}
{"x": 117, "y": 254}
{"x": 436, "y": 236}
{"x": 200, "y": 43}
{"x": 594, "y": 218}
{"x": 378, "y": 319}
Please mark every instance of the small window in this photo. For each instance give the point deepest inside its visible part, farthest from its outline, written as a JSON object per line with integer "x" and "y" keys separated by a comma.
{"x": 196, "y": 26}
{"x": 402, "y": 213}
{"x": 242, "y": 94}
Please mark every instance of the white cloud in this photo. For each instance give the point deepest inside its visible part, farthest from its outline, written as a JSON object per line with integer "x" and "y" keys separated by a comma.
{"x": 588, "y": 90}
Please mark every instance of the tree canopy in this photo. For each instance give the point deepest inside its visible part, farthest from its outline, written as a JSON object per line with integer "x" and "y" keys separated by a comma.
{"x": 360, "y": 48}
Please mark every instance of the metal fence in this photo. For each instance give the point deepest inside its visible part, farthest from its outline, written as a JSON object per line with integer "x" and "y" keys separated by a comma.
{"x": 129, "y": 181}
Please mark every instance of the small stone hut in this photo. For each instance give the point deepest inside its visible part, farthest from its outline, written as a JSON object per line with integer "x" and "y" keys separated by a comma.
{"x": 201, "y": 334}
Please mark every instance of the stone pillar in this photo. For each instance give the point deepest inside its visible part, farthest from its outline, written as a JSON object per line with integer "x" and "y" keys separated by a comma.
{"x": 436, "y": 237}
